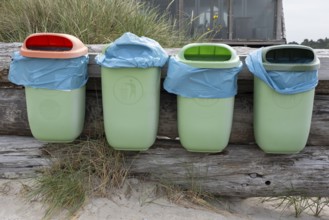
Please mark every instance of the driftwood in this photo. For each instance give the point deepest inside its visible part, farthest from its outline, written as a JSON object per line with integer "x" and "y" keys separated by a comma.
{"x": 242, "y": 169}
{"x": 20, "y": 157}
{"x": 13, "y": 117}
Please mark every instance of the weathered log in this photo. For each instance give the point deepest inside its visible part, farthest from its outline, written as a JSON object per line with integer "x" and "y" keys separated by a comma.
{"x": 240, "y": 170}
{"x": 13, "y": 117}
{"x": 20, "y": 157}
{"x": 7, "y": 49}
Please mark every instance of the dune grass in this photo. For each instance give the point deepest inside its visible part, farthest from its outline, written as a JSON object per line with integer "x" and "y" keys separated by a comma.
{"x": 97, "y": 21}
{"x": 81, "y": 170}
{"x": 300, "y": 204}
{"x": 90, "y": 168}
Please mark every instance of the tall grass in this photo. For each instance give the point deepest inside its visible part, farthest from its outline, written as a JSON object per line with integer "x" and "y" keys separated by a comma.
{"x": 300, "y": 204}
{"x": 81, "y": 170}
{"x": 96, "y": 21}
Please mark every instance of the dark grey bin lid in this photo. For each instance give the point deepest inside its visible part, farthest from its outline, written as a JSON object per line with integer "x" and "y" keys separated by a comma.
{"x": 289, "y": 58}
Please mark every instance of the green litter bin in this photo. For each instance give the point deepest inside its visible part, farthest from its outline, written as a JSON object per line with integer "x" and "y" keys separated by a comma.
{"x": 53, "y": 69}
{"x": 131, "y": 75}
{"x": 204, "y": 122}
{"x": 131, "y": 107}
{"x": 282, "y": 120}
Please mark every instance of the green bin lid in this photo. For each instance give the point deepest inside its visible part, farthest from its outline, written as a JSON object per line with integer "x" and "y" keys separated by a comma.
{"x": 289, "y": 58}
{"x": 209, "y": 55}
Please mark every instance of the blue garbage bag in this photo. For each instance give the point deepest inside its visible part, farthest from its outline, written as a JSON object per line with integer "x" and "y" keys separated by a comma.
{"x": 55, "y": 74}
{"x": 131, "y": 51}
{"x": 281, "y": 81}
{"x": 192, "y": 82}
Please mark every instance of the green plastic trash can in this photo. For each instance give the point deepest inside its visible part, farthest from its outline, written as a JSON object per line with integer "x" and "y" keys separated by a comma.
{"x": 204, "y": 124}
{"x": 282, "y": 121}
{"x": 131, "y": 106}
{"x": 55, "y": 115}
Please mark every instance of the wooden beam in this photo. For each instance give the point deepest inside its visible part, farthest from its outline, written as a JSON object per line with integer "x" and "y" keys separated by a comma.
{"x": 20, "y": 157}
{"x": 230, "y": 20}
{"x": 180, "y": 14}
{"x": 240, "y": 170}
{"x": 7, "y": 49}
{"x": 279, "y": 31}
{"x": 13, "y": 117}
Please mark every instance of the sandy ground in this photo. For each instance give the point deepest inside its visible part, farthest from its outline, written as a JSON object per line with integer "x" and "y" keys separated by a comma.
{"x": 141, "y": 204}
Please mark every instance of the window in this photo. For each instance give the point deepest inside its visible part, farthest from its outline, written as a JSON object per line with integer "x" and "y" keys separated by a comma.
{"x": 225, "y": 19}
{"x": 213, "y": 17}
{"x": 206, "y": 16}
{"x": 254, "y": 19}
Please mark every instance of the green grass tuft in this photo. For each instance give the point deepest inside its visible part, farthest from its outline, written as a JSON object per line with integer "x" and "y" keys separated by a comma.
{"x": 79, "y": 171}
{"x": 60, "y": 190}
{"x": 300, "y": 204}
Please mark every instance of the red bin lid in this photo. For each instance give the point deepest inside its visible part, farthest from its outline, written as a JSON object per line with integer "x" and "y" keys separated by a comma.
{"x": 53, "y": 45}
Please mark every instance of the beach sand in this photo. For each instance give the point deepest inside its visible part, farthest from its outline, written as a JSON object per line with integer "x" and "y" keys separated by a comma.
{"x": 137, "y": 201}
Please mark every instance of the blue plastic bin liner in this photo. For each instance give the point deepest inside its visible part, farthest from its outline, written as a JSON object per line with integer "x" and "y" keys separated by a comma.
{"x": 280, "y": 81}
{"x": 131, "y": 51}
{"x": 192, "y": 82}
{"x": 55, "y": 74}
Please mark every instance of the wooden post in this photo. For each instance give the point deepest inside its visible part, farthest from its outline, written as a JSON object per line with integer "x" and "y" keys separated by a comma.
{"x": 180, "y": 15}
{"x": 279, "y": 31}
{"x": 230, "y": 20}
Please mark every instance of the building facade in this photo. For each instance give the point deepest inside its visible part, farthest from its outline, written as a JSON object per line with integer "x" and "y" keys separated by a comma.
{"x": 232, "y": 21}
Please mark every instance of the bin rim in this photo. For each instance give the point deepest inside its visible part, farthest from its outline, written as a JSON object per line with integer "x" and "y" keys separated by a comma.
{"x": 78, "y": 49}
{"x": 233, "y": 62}
{"x": 290, "y": 67}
